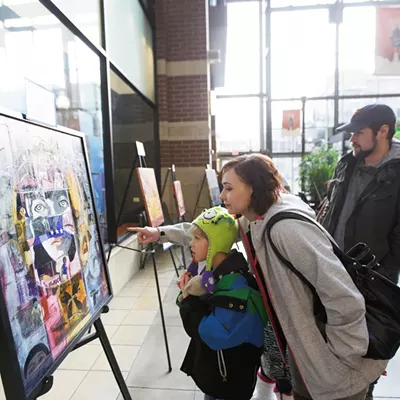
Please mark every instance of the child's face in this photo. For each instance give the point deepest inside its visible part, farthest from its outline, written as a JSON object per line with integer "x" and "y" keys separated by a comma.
{"x": 199, "y": 245}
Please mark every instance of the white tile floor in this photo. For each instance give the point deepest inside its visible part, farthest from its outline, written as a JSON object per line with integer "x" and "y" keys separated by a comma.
{"x": 134, "y": 329}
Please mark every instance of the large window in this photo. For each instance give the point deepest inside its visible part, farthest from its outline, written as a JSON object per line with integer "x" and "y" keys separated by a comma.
{"x": 34, "y": 45}
{"x": 318, "y": 125}
{"x": 238, "y": 124}
{"x": 85, "y": 15}
{"x": 349, "y": 106}
{"x": 357, "y": 55}
{"x": 132, "y": 120}
{"x": 302, "y": 54}
{"x": 289, "y": 167}
{"x": 307, "y": 40}
{"x": 242, "y": 69}
{"x": 288, "y": 3}
{"x": 130, "y": 43}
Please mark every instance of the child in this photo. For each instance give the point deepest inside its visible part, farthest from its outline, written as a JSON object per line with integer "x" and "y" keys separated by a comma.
{"x": 222, "y": 311}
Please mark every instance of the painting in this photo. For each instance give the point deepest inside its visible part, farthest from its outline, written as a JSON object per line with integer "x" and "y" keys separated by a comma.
{"x": 53, "y": 276}
{"x": 148, "y": 186}
{"x": 213, "y": 187}
{"x": 179, "y": 198}
{"x": 387, "y": 41}
{"x": 291, "y": 123}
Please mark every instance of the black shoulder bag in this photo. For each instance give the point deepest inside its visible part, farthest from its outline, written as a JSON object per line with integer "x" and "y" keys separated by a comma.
{"x": 382, "y": 297}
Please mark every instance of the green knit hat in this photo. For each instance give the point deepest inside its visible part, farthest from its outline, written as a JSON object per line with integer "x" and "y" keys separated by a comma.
{"x": 221, "y": 230}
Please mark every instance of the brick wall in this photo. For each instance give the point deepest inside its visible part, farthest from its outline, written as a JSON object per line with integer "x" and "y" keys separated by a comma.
{"x": 183, "y": 81}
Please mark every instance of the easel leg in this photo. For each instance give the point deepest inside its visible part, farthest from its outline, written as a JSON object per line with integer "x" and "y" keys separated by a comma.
{"x": 173, "y": 260}
{"x": 98, "y": 324}
{"x": 143, "y": 258}
{"x": 161, "y": 310}
{"x": 183, "y": 257}
{"x": 198, "y": 196}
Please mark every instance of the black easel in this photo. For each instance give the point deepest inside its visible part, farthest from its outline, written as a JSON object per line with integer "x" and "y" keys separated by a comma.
{"x": 198, "y": 196}
{"x": 171, "y": 172}
{"x": 47, "y": 382}
{"x": 201, "y": 190}
{"x": 141, "y": 162}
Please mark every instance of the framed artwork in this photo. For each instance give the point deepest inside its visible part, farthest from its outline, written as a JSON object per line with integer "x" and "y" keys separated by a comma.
{"x": 149, "y": 189}
{"x": 179, "y": 198}
{"x": 213, "y": 187}
{"x": 54, "y": 280}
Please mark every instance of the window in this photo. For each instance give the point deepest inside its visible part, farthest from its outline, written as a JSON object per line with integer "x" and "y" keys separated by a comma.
{"x": 130, "y": 43}
{"x": 289, "y": 168}
{"x": 357, "y": 55}
{"x": 132, "y": 120}
{"x": 281, "y": 141}
{"x": 348, "y": 107}
{"x": 302, "y": 54}
{"x": 287, "y": 3}
{"x": 318, "y": 123}
{"x": 242, "y": 69}
{"x": 42, "y": 50}
{"x": 237, "y": 124}
{"x": 85, "y": 15}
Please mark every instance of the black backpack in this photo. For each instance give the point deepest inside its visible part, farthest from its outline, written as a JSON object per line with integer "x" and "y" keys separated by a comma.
{"x": 382, "y": 296}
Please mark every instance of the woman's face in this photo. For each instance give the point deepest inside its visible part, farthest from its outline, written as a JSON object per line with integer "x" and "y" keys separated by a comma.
{"x": 236, "y": 194}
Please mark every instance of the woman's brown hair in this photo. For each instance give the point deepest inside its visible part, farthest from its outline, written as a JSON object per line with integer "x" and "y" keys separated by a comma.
{"x": 259, "y": 172}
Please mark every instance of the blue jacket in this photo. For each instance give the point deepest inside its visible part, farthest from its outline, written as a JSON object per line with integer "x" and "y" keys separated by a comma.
{"x": 227, "y": 332}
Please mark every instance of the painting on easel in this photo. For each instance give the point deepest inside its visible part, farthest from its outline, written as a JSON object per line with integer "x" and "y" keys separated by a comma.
{"x": 179, "y": 198}
{"x": 148, "y": 186}
{"x": 213, "y": 187}
{"x": 53, "y": 275}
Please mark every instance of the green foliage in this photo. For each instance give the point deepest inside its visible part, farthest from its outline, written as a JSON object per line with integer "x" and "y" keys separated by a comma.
{"x": 316, "y": 169}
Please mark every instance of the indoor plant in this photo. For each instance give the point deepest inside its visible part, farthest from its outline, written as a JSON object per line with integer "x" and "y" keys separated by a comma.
{"x": 316, "y": 169}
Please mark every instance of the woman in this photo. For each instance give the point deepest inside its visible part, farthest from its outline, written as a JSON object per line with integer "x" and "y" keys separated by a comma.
{"x": 321, "y": 370}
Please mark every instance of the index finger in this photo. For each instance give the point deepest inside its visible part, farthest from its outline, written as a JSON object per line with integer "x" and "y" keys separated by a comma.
{"x": 136, "y": 229}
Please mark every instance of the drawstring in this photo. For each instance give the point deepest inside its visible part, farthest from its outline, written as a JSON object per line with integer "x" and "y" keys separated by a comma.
{"x": 221, "y": 365}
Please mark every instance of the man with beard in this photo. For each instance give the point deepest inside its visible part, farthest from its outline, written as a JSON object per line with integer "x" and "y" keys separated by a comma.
{"x": 363, "y": 202}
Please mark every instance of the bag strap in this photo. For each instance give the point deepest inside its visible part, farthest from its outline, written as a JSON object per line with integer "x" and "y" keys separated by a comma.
{"x": 300, "y": 217}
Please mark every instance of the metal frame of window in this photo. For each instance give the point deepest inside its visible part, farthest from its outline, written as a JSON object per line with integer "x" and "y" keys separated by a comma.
{"x": 106, "y": 65}
{"x": 265, "y": 95}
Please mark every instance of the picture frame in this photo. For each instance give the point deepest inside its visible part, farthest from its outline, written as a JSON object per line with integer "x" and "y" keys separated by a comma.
{"x": 213, "y": 187}
{"x": 54, "y": 279}
{"x": 149, "y": 189}
{"x": 178, "y": 194}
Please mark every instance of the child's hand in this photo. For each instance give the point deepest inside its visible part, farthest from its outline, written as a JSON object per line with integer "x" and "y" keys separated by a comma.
{"x": 184, "y": 279}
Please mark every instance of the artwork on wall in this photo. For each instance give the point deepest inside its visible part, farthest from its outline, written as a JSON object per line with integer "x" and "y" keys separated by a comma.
{"x": 387, "y": 41}
{"x": 53, "y": 276}
{"x": 213, "y": 187}
{"x": 149, "y": 189}
{"x": 179, "y": 198}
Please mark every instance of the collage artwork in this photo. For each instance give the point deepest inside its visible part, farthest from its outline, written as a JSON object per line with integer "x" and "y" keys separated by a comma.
{"x": 52, "y": 272}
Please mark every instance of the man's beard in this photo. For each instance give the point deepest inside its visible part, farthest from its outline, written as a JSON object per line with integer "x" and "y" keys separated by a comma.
{"x": 363, "y": 154}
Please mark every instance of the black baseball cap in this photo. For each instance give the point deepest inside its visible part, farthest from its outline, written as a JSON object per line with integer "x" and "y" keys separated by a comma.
{"x": 371, "y": 116}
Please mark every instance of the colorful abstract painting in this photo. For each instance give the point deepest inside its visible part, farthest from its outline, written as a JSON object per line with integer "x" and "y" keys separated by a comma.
{"x": 213, "y": 187}
{"x": 179, "y": 198}
{"x": 148, "y": 186}
{"x": 52, "y": 271}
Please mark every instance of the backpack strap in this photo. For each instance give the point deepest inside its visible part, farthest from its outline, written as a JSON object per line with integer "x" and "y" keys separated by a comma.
{"x": 300, "y": 217}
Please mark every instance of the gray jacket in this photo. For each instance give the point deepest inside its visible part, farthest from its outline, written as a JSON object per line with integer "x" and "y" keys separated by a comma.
{"x": 331, "y": 370}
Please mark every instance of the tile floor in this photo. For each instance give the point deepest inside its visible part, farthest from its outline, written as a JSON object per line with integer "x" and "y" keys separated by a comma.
{"x": 134, "y": 328}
